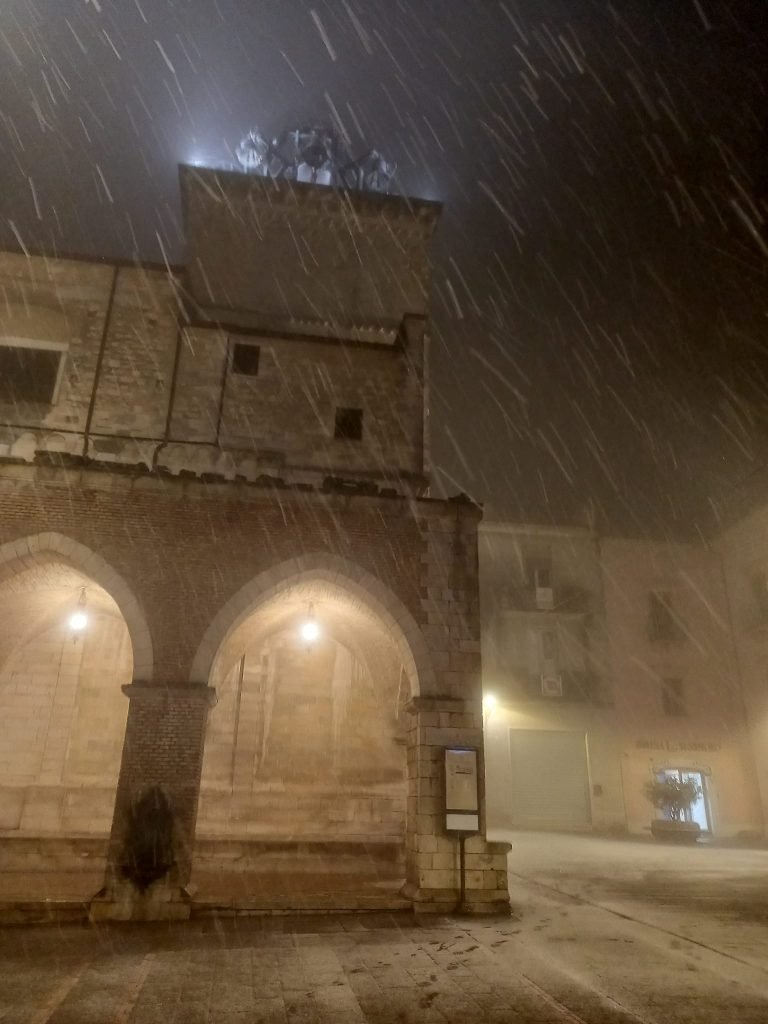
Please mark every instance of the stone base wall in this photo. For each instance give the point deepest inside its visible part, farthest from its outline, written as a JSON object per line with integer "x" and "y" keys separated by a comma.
{"x": 186, "y": 563}
{"x": 438, "y": 890}
{"x": 63, "y": 810}
{"x": 289, "y": 812}
{"x": 432, "y": 854}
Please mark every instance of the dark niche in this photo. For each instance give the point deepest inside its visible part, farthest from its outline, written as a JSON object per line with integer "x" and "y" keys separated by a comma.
{"x": 148, "y": 853}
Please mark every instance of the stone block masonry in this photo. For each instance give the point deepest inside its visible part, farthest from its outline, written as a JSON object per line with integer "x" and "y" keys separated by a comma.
{"x": 147, "y": 382}
{"x": 181, "y": 557}
{"x": 222, "y": 435}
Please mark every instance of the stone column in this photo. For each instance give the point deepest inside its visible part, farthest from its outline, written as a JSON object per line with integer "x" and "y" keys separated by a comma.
{"x": 163, "y": 748}
{"x": 432, "y": 854}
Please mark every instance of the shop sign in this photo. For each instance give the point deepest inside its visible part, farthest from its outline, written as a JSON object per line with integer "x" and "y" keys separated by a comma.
{"x": 676, "y": 745}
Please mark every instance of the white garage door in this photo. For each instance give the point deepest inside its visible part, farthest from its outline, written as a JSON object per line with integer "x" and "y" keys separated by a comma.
{"x": 549, "y": 782}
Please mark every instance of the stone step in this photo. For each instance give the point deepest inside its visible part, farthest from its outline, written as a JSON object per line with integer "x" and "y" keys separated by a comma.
{"x": 51, "y": 853}
{"x": 25, "y": 912}
{"x": 337, "y": 855}
{"x": 305, "y": 903}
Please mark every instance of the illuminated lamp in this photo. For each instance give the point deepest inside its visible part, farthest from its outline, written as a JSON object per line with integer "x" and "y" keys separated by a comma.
{"x": 489, "y": 702}
{"x": 310, "y": 631}
{"x": 78, "y": 620}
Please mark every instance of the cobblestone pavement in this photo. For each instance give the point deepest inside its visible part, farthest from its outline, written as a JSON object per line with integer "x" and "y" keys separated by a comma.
{"x": 556, "y": 961}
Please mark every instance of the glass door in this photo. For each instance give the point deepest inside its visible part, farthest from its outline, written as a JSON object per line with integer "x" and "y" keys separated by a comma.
{"x": 699, "y": 811}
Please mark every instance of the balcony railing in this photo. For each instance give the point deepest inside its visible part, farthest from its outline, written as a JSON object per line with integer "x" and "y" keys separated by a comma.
{"x": 563, "y": 599}
{"x": 576, "y": 686}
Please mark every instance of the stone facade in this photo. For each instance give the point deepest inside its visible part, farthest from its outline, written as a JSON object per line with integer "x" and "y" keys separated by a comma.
{"x": 208, "y": 496}
{"x": 743, "y": 550}
{"x": 150, "y": 368}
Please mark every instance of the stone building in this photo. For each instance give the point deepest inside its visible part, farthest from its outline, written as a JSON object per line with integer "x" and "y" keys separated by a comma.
{"x": 611, "y": 661}
{"x": 743, "y": 550}
{"x": 545, "y": 664}
{"x": 228, "y": 600}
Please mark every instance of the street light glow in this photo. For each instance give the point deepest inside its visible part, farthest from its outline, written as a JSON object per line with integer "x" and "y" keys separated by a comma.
{"x": 310, "y": 631}
{"x": 78, "y": 621}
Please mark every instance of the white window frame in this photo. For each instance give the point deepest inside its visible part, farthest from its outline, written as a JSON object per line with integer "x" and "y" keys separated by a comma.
{"x": 42, "y": 343}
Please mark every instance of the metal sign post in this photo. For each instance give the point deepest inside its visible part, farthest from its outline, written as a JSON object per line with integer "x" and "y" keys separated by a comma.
{"x": 462, "y": 803}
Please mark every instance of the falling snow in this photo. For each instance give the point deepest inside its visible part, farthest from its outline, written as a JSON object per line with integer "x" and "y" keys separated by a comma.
{"x": 602, "y": 259}
{"x": 599, "y": 343}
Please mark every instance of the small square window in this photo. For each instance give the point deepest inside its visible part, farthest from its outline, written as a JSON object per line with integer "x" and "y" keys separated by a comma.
{"x": 349, "y": 424}
{"x": 548, "y": 645}
{"x": 672, "y": 697}
{"x": 538, "y": 571}
{"x": 542, "y": 577}
{"x": 245, "y": 359}
{"x": 29, "y": 374}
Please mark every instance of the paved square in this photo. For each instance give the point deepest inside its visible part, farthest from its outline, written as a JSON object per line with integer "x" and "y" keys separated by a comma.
{"x": 558, "y": 961}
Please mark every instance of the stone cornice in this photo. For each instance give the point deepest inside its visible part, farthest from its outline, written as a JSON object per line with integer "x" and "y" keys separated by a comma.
{"x": 129, "y": 481}
{"x": 267, "y": 194}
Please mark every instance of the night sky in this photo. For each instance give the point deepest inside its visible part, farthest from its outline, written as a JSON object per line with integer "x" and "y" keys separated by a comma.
{"x": 601, "y": 332}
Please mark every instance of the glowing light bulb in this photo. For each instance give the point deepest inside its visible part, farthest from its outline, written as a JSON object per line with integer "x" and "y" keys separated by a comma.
{"x": 78, "y": 621}
{"x": 489, "y": 702}
{"x": 310, "y": 631}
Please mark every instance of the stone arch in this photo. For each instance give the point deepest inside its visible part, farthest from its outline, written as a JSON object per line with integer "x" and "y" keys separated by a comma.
{"x": 94, "y": 566}
{"x": 348, "y": 576}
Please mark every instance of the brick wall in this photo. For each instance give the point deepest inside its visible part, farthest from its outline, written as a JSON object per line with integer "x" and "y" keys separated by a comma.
{"x": 163, "y": 747}
{"x": 185, "y": 549}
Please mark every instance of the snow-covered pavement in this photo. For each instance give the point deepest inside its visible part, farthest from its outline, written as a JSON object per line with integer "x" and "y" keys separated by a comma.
{"x": 603, "y": 932}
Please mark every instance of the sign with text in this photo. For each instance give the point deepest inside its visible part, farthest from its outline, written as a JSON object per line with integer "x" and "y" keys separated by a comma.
{"x": 462, "y": 803}
{"x": 680, "y": 746}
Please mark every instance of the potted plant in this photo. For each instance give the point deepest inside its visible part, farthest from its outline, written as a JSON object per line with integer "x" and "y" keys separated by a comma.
{"x": 674, "y": 797}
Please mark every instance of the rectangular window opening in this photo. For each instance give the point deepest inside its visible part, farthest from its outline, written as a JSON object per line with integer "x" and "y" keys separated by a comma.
{"x": 245, "y": 359}
{"x": 538, "y": 571}
{"x": 549, "y": 647}
{"x": 672, "y": 698}
{"x": 349, "y": 424}
{"x": 29, "y": 373}
{"x": 542, "y": 577}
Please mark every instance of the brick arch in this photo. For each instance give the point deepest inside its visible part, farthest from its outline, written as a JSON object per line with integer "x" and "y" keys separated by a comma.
{"x": 346, "y": 575}
{"x": 95, "y": 567}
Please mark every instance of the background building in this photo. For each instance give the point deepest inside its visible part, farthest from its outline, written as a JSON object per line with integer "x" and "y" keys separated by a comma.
{"x": 608, "y": 662}
{"x": 553, "y": 758}
{"x": 743, "y": 550}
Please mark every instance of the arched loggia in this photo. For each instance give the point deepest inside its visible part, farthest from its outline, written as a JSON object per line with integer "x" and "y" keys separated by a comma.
{"x": 361, "y": 586}
{"x": 96, "y": 568}
{"x": 308, "y": 739}
{"x": 66, "y": 649}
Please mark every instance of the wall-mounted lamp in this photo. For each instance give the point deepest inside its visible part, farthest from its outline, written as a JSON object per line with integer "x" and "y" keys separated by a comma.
{"x": 78, "y": 620}
{"x": 310, "y": 631}
{"x": 489, "y": 703}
